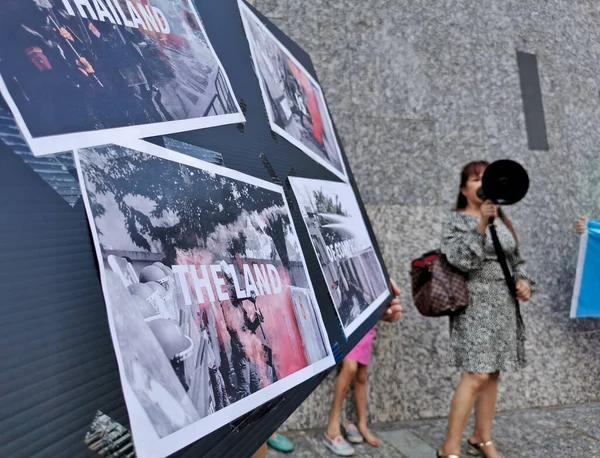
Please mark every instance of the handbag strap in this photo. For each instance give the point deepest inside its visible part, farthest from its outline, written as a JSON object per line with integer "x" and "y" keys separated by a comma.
{"x": 510, "y": 281}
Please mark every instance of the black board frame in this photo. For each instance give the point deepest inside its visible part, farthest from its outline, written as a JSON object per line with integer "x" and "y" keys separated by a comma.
{"x": 58, "y": 367}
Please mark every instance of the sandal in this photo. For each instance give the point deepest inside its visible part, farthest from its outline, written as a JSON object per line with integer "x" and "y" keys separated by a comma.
{"x": 437, "y": 454}
{"x": 477, "y": 449}
{"x": 353, "y": 434}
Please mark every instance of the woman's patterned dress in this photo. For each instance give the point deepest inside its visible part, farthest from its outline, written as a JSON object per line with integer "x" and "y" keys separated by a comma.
{"x": 488, "y": 337}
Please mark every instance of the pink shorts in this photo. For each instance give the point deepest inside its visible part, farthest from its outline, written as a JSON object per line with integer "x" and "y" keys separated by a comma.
{"x": 362, "y": 352}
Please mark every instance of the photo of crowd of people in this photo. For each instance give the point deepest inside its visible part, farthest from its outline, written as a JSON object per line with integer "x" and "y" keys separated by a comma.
{"x": 70, "y": 71}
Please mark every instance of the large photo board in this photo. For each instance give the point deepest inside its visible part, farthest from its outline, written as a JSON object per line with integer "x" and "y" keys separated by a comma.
{"x": 210, "y": 304}
{"x": 75, "y": 72}
{"x": 294, "y": 101}
{"x": 344, "y": 249}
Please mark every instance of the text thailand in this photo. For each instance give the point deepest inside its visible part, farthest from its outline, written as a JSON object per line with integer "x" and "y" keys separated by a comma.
{"x": 140, "y": 16}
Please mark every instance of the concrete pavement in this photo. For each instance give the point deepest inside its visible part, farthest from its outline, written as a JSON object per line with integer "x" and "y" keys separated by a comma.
{"x": 568, "y": 432}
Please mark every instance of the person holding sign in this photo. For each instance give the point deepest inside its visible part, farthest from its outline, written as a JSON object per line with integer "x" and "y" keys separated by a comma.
{"x": 354, "y": 369}
{"x": 585, "y": 302}
{"x": 581, "y": 225}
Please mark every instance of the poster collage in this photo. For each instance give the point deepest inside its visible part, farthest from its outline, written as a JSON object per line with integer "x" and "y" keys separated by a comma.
{"x": 209, "y": 300}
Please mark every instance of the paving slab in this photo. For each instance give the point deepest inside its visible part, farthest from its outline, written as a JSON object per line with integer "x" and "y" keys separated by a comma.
{"x": 568, "y": 432}
{"x": 408, "y": 444}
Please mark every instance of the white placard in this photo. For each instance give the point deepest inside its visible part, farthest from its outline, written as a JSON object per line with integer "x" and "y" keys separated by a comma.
{"x": 293, "y": 99}
{"x": 75, "y": 74}
{"x": 209, "y": 300}
{"x": 344, "y": 249}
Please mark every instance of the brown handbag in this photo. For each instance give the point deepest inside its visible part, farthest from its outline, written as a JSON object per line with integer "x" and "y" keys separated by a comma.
{"x": 438, "y": 288}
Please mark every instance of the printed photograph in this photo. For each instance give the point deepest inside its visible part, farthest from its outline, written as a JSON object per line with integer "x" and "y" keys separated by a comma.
{"x": 294, "y": 100}
{"x": 211, "y": 308}
{"x": 343, "y": 247}
{"x": 73, "y": 70}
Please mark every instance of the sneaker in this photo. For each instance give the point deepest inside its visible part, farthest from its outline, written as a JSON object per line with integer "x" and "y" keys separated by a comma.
{"x": 338, "y": 445}
{"x": 280, "y": 443}
{"x": 352, "y": 434}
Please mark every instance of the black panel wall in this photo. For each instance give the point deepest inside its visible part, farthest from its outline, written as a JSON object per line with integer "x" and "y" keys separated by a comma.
{"x": 58, "y": 365}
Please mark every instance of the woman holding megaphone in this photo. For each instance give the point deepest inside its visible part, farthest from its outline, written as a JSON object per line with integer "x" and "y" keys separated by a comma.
{"x": 488, "y": 337}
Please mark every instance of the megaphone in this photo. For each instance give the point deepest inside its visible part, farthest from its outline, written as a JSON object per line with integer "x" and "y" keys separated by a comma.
{"x": 504, "y": 182}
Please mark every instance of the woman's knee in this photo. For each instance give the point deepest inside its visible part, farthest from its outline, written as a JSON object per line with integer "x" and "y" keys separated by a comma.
{"x": 361, "y": 375}
{"x": 477, "y": 381}
{"x": 350, "y": 367}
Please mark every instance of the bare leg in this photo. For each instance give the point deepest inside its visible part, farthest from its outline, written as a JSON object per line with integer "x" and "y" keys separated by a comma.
{"x": 261, "y": 452}
{"x": 360, "y": 397}
{"x": 485, "y": 407}
{"x": 342, "y": 384}
{"x": 460, "y": 409}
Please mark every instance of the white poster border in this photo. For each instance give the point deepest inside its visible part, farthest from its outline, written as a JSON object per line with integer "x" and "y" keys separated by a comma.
{"x": 380, "y": 300}
{"x": 52, "y": 144}
{"x": 583, "y": 240}
{"x": 146, "y": 441}
{"x": 246, "y": 14}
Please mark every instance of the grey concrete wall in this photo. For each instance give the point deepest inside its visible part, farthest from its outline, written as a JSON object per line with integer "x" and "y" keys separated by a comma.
{"x": 419, "y": 88}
